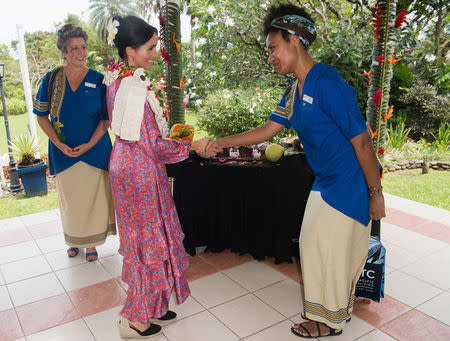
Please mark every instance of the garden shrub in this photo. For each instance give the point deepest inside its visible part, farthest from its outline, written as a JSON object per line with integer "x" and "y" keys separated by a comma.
{"x": 227, "y": 112}
{"x": 442, "y": 138}
{"x": 415, "y": 151}
{"x": 397, "y": 134}
{"x": 425, "y": 110}
{"x": 15, "y": 106}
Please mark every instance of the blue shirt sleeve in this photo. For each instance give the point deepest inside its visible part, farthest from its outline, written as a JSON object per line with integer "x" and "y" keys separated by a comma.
{"x": 338, "y": 100}
{"x": 41, "y": 105}
{"x": 278, "y": 116}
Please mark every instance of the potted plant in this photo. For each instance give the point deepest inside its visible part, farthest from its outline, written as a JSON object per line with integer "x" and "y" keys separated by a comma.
{"x": 32, "y": 171}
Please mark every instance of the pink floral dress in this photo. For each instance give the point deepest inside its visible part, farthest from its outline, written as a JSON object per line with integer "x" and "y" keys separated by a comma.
{"x": 151, "y": 239}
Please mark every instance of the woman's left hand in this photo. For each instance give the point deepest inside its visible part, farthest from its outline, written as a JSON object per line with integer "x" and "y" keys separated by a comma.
{"x": 376, "y": 207}
{"x": 81, "y": 149}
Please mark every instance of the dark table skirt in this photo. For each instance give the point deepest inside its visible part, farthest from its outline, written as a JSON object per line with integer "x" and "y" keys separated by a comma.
{"x": 248, "y": 208}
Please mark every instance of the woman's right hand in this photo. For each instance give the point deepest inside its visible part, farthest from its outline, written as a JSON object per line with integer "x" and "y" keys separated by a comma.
{"x": 199, "y": 146}
{"x": 214, "y": 147}
{"x": 65, "y": 149}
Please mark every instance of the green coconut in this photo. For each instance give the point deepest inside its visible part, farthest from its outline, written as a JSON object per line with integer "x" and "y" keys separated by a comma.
{"x": 274, "y": 152}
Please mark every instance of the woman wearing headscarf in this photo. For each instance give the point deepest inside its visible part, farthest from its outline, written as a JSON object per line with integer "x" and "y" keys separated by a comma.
{"x": 79, "y": 148}
{"x": 321, "y": 106}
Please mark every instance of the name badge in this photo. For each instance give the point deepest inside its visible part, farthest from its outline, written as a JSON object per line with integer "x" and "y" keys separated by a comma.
{"x": 90, "y": 85}
{"x": 308, "y": 99}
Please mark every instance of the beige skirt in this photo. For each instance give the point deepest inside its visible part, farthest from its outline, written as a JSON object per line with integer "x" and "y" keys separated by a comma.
{"x": 86, "y": 205}
{"x": 333, "y": 252}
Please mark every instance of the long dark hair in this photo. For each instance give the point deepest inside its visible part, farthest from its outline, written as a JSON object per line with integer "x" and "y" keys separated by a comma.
{"x": 132, "y": 31}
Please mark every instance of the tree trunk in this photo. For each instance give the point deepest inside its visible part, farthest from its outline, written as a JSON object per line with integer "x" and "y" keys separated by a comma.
{"x": 425, "y": 164}
{"x": 192, "y": 44}
{"x": 437, "y": 37}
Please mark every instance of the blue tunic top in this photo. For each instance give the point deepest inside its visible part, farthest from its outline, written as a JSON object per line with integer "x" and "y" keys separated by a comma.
{"x": 326, "y": 118}
{"x": 81, "y": 112}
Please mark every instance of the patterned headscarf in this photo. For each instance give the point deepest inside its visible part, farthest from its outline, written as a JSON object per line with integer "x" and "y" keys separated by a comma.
{"x": 303, "y": 28}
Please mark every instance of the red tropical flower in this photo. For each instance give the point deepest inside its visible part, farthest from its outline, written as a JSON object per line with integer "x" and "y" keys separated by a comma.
{"x": 381, "y": 59}
{"x": 161, "y": 21}
{"x": 381, "y": 151}
{"x": 377, "y": 20}
{"x": 400, "y": 18}
{"x": 165, "y": 55}
{"x": 377, "y": 98}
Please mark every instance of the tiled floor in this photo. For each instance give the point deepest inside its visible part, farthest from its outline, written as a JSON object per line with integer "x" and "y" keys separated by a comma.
{"x": 45, "y": 296}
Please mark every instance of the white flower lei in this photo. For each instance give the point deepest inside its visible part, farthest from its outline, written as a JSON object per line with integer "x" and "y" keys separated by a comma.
{"x": 161, "y": 121}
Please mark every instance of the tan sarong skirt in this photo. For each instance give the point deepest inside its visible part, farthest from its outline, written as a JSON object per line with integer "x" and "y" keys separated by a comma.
{"x": 333, "y": 252}
{"x": 86, "y": 205}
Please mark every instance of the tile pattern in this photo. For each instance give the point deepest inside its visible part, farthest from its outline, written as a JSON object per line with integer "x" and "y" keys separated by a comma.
{"x": 98, "y": 297}
{"x": 51, "y": 312}
{"x": 20, "y": 235}
{"x": 10, "y": 327}
{"x": 45, "y": 295}
{"x": 415, "y": 325}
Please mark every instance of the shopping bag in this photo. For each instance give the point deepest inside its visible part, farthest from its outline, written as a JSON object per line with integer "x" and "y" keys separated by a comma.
{"x": 371, "y": 282}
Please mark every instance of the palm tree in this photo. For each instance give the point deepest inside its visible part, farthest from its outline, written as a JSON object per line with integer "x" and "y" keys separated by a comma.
{"x": 104, "y": 10}
{"x": 146, "y": 8}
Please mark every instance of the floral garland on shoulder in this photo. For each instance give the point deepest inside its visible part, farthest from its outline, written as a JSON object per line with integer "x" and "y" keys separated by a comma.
{"x": 117, "y": 70}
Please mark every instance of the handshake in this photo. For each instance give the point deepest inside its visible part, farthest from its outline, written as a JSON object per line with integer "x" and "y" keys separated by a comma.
{"x": 207, "y": 147}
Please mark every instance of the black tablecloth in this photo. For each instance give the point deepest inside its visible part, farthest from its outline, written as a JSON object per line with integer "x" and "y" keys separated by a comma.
{"x": 246, "y": 207}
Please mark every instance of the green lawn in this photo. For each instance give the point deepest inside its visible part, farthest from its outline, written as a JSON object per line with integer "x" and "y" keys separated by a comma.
{"x": 14, "y": 206}
{"x": 432, "y": 188}
{"x": 191, "y": 118}
{"x": 18, "y": 125}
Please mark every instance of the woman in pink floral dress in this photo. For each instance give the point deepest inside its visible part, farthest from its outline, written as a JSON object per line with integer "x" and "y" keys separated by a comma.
{"x": 151, "y": 239}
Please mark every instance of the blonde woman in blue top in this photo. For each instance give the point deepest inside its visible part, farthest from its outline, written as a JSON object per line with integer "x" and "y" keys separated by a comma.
{"x": 79, "y": 147}
{"x": 322, "y": 108}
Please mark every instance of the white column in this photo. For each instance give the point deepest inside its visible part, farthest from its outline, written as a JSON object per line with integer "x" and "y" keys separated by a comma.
{"x": 26, "y": 84}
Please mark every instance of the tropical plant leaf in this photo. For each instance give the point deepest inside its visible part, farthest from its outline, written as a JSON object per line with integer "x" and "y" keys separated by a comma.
{"x": 174, "y": 72}
{"x": 24, "y": 147}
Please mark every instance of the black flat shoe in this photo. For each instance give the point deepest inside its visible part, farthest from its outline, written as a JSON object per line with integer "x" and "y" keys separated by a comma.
{"x": 127, "y": 331}
{"x": 170, "y": 317}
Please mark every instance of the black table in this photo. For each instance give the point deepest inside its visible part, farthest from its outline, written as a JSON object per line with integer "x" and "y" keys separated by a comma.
{"x": 246, "y": 207}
